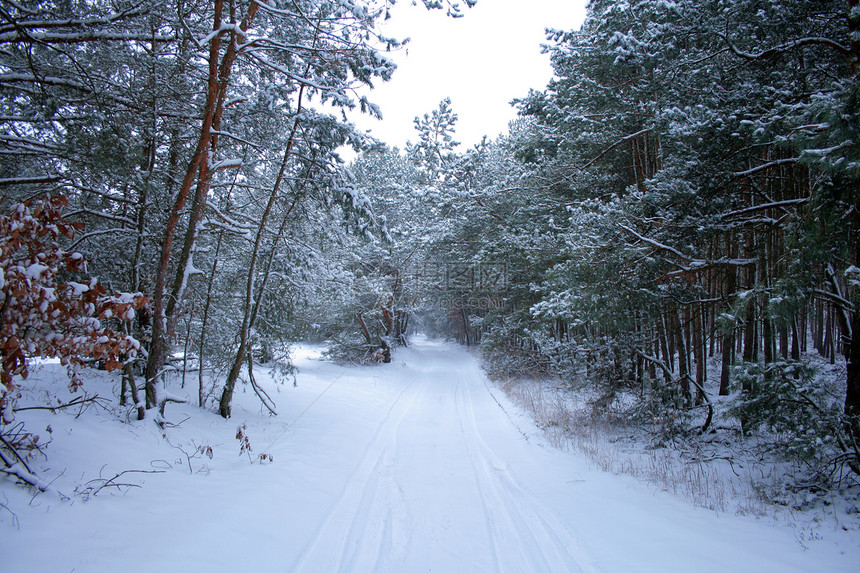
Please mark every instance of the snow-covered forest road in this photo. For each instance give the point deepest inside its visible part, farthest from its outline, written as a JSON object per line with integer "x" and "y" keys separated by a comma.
{"x": 430, "y": 492}
{"x": 420, "y": 465}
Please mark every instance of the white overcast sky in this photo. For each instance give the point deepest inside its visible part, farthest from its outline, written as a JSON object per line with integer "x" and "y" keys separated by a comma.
{"x": 481, "y": 61}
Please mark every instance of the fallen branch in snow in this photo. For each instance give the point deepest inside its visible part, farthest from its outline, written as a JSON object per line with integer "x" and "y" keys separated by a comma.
{"x": 93, "y": 488}
{"x": 204, "y": 450}
{"x": 79, "y": 401}
{"x": 162, "y": 404}
{"x": 14, "y": 452}
{"x": 19, "y": 469}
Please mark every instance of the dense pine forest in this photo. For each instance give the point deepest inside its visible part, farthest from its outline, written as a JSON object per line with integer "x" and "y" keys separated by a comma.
{"x": 672, "y": 224}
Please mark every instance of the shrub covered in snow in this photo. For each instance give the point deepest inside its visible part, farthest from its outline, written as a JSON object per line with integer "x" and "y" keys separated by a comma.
{"x": 44, "y": 316}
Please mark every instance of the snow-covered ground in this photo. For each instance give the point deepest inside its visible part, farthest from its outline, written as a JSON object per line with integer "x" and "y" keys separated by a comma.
{"x": 419, "y": 465}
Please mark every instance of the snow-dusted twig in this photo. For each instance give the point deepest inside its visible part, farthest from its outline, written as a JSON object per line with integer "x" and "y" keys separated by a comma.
{"x": 79, "y": 401}
{"x": 14, "y": 515}
{"x": 28, "y": 180}
{"x": 93, "y": 487}
{"x": 766, "y": 166}
{"x": 796, "y": 43}
{"x": 656, "y": 244}
{"x": 204, "y": 450}
{"x": 765, "y": 206}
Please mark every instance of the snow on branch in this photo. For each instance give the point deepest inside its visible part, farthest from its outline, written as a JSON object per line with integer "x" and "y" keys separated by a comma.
{"x": 701, "y": 265}
{"x": 766, "y": 166}
{"x": 22, "y": 474}
{"x": 765, "y": 206}
{"x": 234, "y": 226}
{"x": 28, "y": 180}
{"x": 226, "y": 164}
{"x": 27, "y": 141}
{"x": 80, "y": 37}
{"x": 57, "y": 81}
{"x": 288, "y": 73}
{"x": 692, "y": 265}
{"x": 621, "y": 141}
{"x": 797, "y": 43}
{"x": 92, "y": 234}
{"x": 215, "y": 33}
{"x": 75, "y": 22}
{"x": 232, "y": 135}
{"x": 841, "y": 302}
{"x": 657, "y": 245}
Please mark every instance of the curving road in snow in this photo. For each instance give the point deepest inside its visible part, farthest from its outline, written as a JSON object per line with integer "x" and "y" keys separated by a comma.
{"x": 421, "y": 465}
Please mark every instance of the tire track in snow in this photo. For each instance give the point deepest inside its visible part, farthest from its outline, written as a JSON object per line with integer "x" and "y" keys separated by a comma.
{"x": 488, "y": 516}
{"x": 381, "y": 520}
{"x": 370, "y": 539}
{"x": 540, "y": 541}
{"x": 334, "y": 542}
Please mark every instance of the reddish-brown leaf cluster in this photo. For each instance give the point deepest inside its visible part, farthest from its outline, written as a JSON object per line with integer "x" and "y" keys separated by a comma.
{"x": 43, "y": 317}
{"x": 244, "y": 442}
{"x": 206, "y": 451}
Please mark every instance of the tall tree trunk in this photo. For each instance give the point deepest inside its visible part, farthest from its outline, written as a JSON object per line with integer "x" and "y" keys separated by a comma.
{"x": 852, "y": 392}
{"x": 728, "y": 338}
{"x": 467, "y": 329}
{"x": 668, "y": 359}
{"x": 795, "y": 339}
{"x": 818, "y": 327}
{"x": 767, "y": 334}
{"x": 783, "y": 339}
{"x": 166, "y": 311}
{"x": 726, "y": 362}
{"x": 683, "y": 358}
{"x": 699, "y": 353}
{"x": 852, "y": 355}
{"x": 669, "y": 325}
{"x": 158, "y": 347}
{"x": 829, "y": 345}
{"x": 750, "y": 333}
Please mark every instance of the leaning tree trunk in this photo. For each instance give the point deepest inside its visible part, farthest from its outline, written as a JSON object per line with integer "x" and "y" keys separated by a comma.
{"x": 229, "y": 385}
